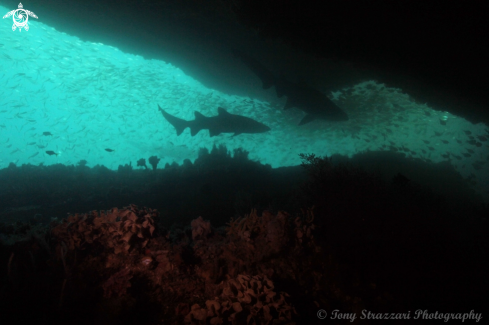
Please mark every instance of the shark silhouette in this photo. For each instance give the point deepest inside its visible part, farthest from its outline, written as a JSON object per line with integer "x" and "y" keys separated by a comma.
{"x": 313, "y": 102}
{"x": 265, "y": 75}
{"x": 224, "y": 122}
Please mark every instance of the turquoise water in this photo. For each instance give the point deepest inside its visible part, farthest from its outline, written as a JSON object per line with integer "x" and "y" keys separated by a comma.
{"x": 77, "y": 99}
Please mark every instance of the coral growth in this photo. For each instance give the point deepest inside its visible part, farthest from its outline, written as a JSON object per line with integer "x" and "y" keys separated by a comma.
{"x": 200, "y": 229}
{"x": 204, "y": 275}
{"x": 117, "y": 284}
{"x": 119, "y": 231}
{"x": 247, "y": 297}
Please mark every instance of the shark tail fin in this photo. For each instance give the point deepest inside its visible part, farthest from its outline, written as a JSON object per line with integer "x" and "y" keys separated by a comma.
{"x": 177, "y": 123}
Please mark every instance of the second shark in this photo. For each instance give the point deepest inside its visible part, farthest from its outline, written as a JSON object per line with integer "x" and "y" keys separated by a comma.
{"x": 314, "y": 103}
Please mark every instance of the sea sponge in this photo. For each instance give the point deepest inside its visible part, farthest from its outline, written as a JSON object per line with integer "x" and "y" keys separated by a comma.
{"x": 253, "y": 238}
{"x": 119, "y": 230}
{"x": 117, "y": 284}
{"x": 231, "y": 269}
{"x": 246, "y": 297}
{"x": 153, "y": 160}
{"x": 200, "y": 229}
{"x": 142, "y": 163}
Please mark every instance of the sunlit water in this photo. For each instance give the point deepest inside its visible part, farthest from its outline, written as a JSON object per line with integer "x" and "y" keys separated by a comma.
{"x": 76, "y": 99}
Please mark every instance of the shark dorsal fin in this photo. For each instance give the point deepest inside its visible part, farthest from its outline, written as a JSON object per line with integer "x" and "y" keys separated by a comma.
{"x": 222, "y": 111}
{"x": 198, "y": 116}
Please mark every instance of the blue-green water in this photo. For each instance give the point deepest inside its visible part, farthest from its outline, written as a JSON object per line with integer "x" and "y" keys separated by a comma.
{"x": 77, "y": 99}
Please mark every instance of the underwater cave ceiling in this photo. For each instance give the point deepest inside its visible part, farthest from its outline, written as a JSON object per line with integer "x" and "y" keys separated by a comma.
{"x": 434, "y": 54}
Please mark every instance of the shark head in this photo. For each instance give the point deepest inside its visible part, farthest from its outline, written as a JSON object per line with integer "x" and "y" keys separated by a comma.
{"x": 258, "y": 127}
{"x": 240, "y": 124}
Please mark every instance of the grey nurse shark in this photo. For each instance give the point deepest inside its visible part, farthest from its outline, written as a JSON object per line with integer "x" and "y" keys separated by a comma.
{"x": 314, "y": 103}
{"x": 224, "y": 122}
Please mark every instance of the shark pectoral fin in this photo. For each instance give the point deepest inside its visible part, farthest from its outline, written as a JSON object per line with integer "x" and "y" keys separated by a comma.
{"x": 197, "y": 124}
{"x": 213, "y": 133}
{"x": 306, "y": 119}
{"x": 198, "y": 116}
{"x": 194, "y": 131}
{"x": 288, "y": 104}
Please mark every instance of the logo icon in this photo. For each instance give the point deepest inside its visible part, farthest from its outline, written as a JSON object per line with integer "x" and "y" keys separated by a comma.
{"x": 20, "y": 17}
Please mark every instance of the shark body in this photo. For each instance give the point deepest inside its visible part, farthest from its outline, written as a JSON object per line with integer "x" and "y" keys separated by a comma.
{"x": 313, "y": 102}
{"x": 224, "y": 122}
{"x": 265, "y": 75}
